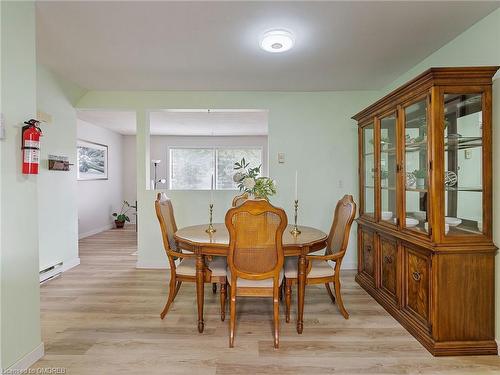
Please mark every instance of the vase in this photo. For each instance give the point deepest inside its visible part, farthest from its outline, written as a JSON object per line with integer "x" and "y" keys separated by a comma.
{"x": 420, "y": 182}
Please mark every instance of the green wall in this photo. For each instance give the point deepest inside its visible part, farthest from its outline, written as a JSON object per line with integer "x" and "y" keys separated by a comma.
{"x": 314, "y": 131}
{"x": 57, "y": 191}
{"x": 19, "y": 287}
{"x": 479, "y": 45}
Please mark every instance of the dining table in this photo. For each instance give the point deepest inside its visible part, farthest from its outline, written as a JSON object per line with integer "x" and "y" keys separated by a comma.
{"x": 205, "y": 245}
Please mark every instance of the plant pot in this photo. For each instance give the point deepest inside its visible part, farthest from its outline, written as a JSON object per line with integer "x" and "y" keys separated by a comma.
{"x": 119, "y": 224}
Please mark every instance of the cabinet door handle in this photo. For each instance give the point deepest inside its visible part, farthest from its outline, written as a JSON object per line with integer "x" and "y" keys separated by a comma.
{"x": 368, "y": 248}
{"x": 416, "y": 276}
{"x": 388, "y": 258}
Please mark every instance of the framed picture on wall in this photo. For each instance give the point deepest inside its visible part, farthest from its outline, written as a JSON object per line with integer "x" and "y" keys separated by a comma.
{"x": 92, "y": 159}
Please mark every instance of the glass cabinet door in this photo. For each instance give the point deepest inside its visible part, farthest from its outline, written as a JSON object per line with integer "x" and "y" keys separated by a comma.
{"x": 416, "y": 167}
{"x": 368, "y": 155}
{"x": 463, "y": 164}
{"x": 388, "y": 169}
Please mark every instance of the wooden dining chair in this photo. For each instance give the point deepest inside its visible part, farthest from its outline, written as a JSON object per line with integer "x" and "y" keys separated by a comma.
{"x": 319, "y": 268}
{"x": 183, "y": 264}
{"x": 239, "y": 199}
{"x": 255, "y": 256}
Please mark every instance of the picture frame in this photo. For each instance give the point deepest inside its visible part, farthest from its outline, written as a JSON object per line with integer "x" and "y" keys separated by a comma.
{"x": 92, "y": 161}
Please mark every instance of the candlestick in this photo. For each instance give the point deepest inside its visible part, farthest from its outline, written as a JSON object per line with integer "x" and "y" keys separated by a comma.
{"x": 296, "y": 186}
{"x": 212, "y": 190}
{"x": 210, "y": 228}
{"x": 295, "y": 231}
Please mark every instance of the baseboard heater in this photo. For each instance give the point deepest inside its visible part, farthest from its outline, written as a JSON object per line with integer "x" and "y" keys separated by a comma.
{"x": 51, "y": 272}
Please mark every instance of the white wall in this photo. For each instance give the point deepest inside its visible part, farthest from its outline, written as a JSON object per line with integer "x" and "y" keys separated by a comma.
{"x": 57, "y": 194}
{"x": 98, "y": 199}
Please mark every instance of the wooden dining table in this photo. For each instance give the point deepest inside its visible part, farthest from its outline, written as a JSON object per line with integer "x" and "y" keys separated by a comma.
{"x": 203, "y": 245}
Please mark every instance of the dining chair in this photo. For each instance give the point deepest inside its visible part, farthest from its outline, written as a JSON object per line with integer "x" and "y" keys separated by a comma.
{"x": 255, "y": 256}
{"x": 320, "y": 269}
{"x": 183, "y": 264}
{"x": 239, "y": 199}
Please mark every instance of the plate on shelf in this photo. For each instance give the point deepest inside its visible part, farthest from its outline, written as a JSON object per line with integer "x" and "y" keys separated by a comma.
{"x": 452, "y": 221}
{"x": 386, "y": 215}
{"x": 446, "y": 227}
{"x": 411, "y": 222}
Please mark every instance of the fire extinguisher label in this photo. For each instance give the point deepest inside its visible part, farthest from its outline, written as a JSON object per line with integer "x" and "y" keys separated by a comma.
{"x": 31, "y": 156}
{"x": 30, "y": 143}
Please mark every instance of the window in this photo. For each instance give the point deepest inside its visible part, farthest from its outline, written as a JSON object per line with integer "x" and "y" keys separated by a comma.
{"x": 192, "y": 168}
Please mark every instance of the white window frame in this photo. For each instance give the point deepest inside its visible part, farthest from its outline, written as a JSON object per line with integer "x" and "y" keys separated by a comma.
{"x": 215, "y": 149}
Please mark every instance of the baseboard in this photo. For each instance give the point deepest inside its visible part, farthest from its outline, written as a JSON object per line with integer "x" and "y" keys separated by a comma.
{"x": 498, "y": 346}
{"x": 152, "y": 265}
{"x": 27, "y": 361}
{"x": 165, "y": 266}
{"x": 349, "y": 266}
{"x": 69, "y": 264}
{"x": 94, "y": 231}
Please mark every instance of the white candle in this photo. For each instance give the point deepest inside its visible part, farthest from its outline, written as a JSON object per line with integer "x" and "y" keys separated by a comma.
{"x": 212, "y": 189}
{"x": 296, "y": 186}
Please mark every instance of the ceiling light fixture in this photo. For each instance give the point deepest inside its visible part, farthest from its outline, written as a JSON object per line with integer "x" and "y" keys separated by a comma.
{"x": 277, "y": 40}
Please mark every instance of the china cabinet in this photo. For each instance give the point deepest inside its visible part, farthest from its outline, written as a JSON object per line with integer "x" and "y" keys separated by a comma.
{"x": 425, "y": 249}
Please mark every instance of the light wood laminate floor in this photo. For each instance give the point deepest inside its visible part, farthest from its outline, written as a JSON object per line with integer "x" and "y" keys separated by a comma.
{"x": 102, "y": 317}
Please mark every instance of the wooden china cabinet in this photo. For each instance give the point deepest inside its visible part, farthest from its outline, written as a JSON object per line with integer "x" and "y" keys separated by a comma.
{"x": 425, "y": 249}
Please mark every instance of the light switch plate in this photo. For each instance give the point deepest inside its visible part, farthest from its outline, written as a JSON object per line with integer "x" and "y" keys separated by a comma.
{"x": 281, "y": 157}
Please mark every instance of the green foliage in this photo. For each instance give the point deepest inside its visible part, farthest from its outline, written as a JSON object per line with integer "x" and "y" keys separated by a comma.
{"x": 248, "y": 180}
{"x": 122, "y": 215}
{"x": 420, "y": 173}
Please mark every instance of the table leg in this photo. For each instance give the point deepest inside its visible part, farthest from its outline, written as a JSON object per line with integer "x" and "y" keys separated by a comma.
{"x": 301, "y": 289}
{"x": 200, "y": 285}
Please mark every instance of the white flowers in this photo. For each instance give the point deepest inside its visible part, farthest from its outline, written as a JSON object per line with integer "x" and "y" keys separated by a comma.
{"x": 238, "y": 176}
{"x": 249, "y": 183}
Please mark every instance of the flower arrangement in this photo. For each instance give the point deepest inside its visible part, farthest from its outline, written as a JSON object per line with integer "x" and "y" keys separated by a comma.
{"x": 248, "y": 180}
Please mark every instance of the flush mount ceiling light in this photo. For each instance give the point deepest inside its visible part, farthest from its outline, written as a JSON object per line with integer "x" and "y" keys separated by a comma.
{"x": 278, "y": 40}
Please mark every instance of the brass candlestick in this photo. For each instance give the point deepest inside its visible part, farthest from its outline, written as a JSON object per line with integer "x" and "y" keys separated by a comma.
{"x": 210, "y": 228}
{"x": 295, "y": 231}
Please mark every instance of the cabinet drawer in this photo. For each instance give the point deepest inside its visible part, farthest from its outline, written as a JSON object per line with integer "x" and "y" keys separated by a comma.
{"x": 417, "y": 282}
{"x": 368, "y": 253}
{"x": 388, "y": 255}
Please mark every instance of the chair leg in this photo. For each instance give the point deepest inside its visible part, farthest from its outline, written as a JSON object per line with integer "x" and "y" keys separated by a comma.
{"x": 177, "y": 287}
{"x": 232, "y": 318}
{"x": 340, "y": 303}
{"x": 288, "y": 299}
{"x": 214, "y": 288}
{"x": 276, "y": 311}
{"x": 223, "y": 294}
{"x": 329, "y": 290}
{"x": 171, "y": 295}
{"x": 280, "y": 291}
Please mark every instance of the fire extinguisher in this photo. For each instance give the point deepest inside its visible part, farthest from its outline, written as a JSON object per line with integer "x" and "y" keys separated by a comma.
{"x": 30, "y": 146}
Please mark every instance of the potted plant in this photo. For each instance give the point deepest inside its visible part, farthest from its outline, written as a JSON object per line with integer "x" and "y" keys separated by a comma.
{"x": 121, "y": 217}
{"x": 420, "y": 175}
{"x": 248, "y": 180}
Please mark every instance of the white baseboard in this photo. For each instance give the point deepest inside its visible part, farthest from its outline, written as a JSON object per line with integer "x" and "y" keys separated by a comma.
{"x": 27, "y": 361}
{"x": 94, "y": 231}
{"x": 69, "y": 264}
{"x": 152, "y": 265}
{"x": 349, "y": 266}
{"x": 498, "y": 346}
{"x": 165, "y": 266}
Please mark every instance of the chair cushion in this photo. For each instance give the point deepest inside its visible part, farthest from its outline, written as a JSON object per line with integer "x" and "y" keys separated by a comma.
{"x": 187, "y": 267}
{"x": 245, "y": 283}
{"x": 318, "y": 269}
{"x": 218, "y": 266}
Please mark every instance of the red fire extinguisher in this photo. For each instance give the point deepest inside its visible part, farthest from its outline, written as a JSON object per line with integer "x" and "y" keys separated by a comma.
{"x": 30, "y": 146}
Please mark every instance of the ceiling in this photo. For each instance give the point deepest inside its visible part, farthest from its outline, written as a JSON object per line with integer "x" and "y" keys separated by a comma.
{"x": 184, "y": 122}
{"x": 206, "y": 45}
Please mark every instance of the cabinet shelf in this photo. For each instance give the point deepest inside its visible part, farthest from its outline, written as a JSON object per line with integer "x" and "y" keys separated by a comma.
{"x": 432, "y": 277}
